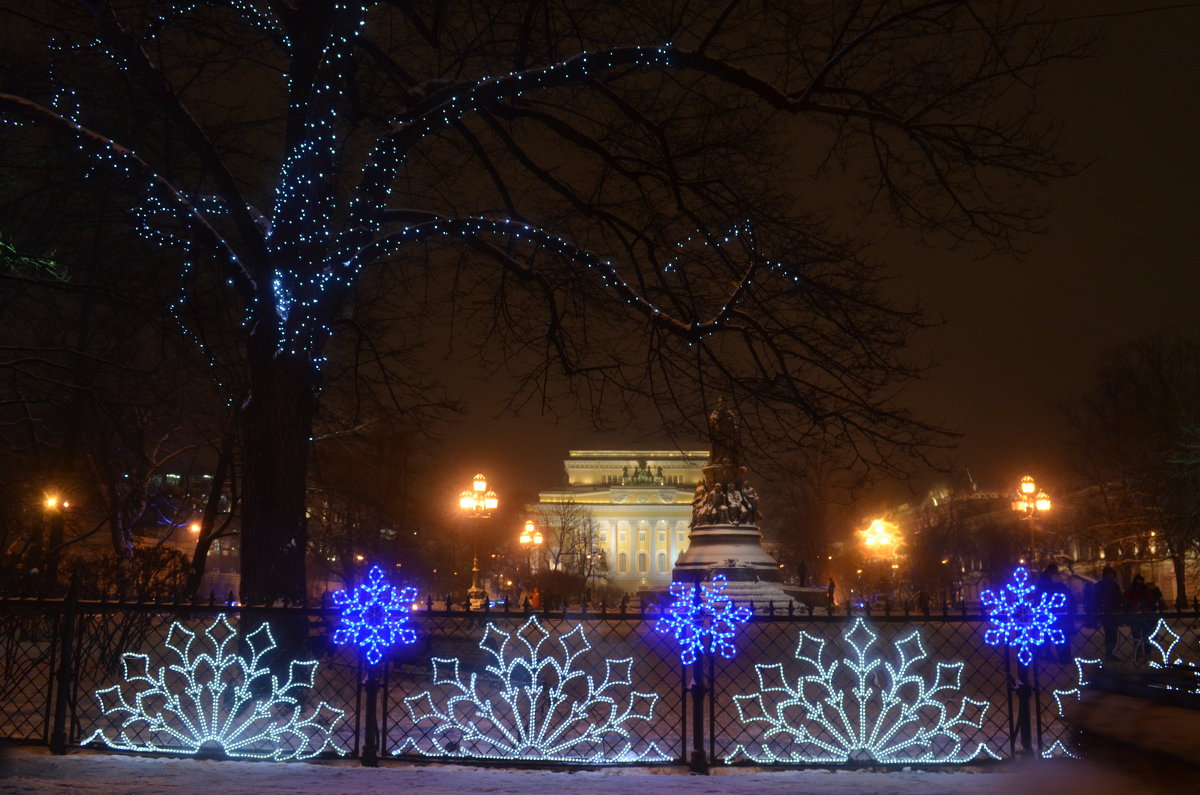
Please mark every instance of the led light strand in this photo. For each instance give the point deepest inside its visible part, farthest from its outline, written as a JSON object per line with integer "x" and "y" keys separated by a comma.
{"x": 212, "y": 700}
{"x": 859, "y": 706}
{"x": 532, "y": 703}
{"x": 1083, "y": 669}
{"x": 1017, "y": 620}
{"x": 702, "y": 618}
{"x": 319, "y": 261}
{"x": 374, "y": 614}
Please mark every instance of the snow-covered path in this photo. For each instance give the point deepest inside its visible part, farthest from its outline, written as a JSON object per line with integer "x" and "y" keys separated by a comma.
{"x": 34, "y": 770}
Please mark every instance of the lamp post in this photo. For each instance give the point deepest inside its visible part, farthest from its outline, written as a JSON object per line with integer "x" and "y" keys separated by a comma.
{"x": 52, "y": 552}
{"x": 881, "y": 540}
{"x": 478, "y": 502}
{"x": 531, "y": 540}
{"x": 1031, "y": 501}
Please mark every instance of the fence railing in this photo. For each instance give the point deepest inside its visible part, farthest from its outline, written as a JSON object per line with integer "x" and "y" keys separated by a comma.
{"x": 550, "y": 687}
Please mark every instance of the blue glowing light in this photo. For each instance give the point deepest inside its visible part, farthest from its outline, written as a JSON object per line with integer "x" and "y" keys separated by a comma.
{"x": 374, "y": 614}
{"x": 1018, "y": 620}
{"x": 702, "y": 618}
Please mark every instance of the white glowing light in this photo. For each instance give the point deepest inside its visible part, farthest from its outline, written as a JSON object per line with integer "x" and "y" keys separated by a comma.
{"x": 214, "y": 701}
{"x": 531, "y": 702}
{"x": 860, "y": 706}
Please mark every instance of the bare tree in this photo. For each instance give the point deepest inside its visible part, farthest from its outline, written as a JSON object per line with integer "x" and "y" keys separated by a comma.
{"x": 570, "y": 533}
{"x": 648, "y": 200}
{"x": 1134, "y": 438}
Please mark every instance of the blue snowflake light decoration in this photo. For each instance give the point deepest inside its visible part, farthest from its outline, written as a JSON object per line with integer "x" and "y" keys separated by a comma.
{"x": 1018, "y": 620}
{"x": 702, "y": 622}
{"x": 374, "y": 614}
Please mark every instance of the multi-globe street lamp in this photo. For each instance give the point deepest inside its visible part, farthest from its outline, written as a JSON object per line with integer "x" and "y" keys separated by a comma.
{"x": 478, "y": 502}
{"x": 531, "y": 540}
{"x": 881, "y": 540}
{"x": 1031, "y": 501}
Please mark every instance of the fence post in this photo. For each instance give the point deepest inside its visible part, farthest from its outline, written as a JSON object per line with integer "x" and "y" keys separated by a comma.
{"x": 699, "y": 760}
{"x": 1024, "y": 714}
{"x": 370, "y": 750}
{"x": 58, "y": 735}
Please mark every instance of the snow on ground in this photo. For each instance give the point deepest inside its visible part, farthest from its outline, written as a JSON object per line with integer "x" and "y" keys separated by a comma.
{"x": 36, "y": 771}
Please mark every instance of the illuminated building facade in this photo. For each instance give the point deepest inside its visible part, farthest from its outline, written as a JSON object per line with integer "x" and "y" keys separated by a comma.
{"x": 641, "y": 501}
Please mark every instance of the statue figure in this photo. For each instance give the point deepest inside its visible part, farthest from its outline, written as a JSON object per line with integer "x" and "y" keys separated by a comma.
{"x": 737, "y": 508}
{"x": 723, "y": 436}
{"x": 699, "y": 507}
{"x": 720, "y": 509}
{"x": 751, "y": 498}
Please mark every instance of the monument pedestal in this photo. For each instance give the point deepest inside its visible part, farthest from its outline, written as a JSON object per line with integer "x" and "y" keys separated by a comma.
{"x": 734, "y": 550}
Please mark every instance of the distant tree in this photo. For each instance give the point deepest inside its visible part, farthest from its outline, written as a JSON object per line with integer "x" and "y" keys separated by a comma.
{"x": 1134, "y": 439}
{"x": 806, "y": 510}
{"x": 98, "y": 402}
{"x": 571, "y": 538}
{"x": 649, "y": 199}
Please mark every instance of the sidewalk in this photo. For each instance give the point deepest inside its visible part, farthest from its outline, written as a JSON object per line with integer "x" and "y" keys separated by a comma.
{"x": 34, "y": 770}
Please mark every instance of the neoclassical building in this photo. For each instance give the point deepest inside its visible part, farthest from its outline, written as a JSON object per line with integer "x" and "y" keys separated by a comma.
{"x": 642, "y": 503}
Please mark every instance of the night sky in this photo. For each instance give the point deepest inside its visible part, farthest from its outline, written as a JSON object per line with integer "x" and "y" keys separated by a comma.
{"x": 1119, "y": 262}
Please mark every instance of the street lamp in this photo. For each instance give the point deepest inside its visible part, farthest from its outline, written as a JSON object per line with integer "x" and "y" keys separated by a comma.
{"x": 1031, "y": 501}
{"x": 531, "y": 540}
{"x": 478, "y": 502}
{"x": 881, "y": 536}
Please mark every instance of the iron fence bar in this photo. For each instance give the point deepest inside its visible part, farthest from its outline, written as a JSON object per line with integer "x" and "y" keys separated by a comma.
{"x": 358, "y": 705}
{"x": 1037, "y": 704}
{"x": 1009, "y": 689}
{"x": 58, "y": 737}
{"x": 712, "y": 710}
{"x": 370, "y": 754}
{"x": 683, "y": 713}
{"x": 698, "y": 763}
{"x": 55, "y": 649}
{"x": 45, "y": 621}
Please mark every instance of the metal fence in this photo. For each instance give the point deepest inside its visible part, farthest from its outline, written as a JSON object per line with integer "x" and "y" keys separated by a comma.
{"x": 563, "y": 687}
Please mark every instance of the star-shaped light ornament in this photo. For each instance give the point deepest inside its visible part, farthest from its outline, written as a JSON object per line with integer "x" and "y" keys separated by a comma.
{"x": 374, "y": 614}
{"x": 1018, "y": 620}
{"x": 702, "y": 618}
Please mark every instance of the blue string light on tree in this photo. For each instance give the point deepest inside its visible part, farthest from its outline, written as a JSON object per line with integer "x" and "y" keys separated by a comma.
{"x": 703, "y": 619}
{"x": 374, "y": 614}
{"x": 1018, "y": 620}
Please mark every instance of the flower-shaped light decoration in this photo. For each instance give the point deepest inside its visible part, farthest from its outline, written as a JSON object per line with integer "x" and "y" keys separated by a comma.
{"x": 374, "y": 614}
{"x": 704, "y": 621}
{"x": 539, "y": 697}
{"x": 854, "y": 702}
{"x": 215, "y": 700}
{"x": 1017, "y": 620}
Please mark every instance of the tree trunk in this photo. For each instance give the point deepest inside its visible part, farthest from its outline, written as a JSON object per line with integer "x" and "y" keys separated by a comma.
{"x": 276, "y": 431}
{"x": 212, "y": 509}
{"x": 1180, "y": 583}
